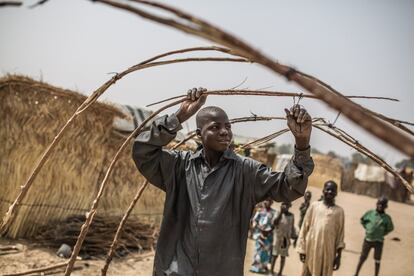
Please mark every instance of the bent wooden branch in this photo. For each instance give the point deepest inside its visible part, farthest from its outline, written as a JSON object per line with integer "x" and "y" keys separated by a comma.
{"x": 342, "y": 136}
{"x": 334, "y": 99}
{"x": 131, "y": 206}
{"x": 347, "y": 139}
{"x": 114, "y": 244}
{"x": 91, "y": 214}
{"x": 11, "y": 213}
{"x": 275, "y": 93}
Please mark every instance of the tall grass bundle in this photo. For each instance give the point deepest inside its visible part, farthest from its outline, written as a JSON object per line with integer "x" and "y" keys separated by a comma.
{"x": 31, "y": 113}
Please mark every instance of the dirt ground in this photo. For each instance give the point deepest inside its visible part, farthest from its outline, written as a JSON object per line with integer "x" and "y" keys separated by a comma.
{"x": 398, "y": 256}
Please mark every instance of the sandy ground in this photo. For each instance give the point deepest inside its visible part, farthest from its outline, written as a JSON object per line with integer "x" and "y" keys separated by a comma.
{"x": 398, "y": 256}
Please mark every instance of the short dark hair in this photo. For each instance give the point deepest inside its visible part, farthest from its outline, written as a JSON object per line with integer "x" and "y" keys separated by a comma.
{"x": 204, "y": 111}
{"x": 383, "y": 200}
{"x": 330, "y": 182}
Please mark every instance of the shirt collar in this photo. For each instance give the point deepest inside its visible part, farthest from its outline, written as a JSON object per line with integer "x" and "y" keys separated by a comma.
{"x": 228, "y": 154}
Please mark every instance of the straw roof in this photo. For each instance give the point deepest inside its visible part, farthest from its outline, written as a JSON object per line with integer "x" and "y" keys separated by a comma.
{"x": 32, "y": 113}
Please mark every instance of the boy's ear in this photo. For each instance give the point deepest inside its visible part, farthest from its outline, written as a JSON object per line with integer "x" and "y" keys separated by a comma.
{"x": 198, "y": 132}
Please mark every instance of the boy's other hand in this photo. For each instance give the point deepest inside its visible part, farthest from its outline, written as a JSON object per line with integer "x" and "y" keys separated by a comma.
{"x": 195, "y": 100}
{"x": 300, "y": 124}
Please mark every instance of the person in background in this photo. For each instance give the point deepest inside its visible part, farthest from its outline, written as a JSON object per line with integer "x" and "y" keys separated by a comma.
{"x": 263, "y": 223}
{"x": 377, "y": 224}
{"x": 302, "y": 211}
{"x": 284, "y": 231}
{"x": 321, "y": 238}
{"x": 304, "y": 207}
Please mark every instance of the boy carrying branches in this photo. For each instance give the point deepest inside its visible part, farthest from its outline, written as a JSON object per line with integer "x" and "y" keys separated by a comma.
{"x": 211, "y": 193}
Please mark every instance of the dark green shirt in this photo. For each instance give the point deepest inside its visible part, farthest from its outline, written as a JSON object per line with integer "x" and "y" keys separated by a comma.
{"x": 376, "y": 225}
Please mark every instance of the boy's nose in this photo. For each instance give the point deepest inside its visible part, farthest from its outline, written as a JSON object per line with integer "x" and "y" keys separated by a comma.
{"x": 224, "y": 131}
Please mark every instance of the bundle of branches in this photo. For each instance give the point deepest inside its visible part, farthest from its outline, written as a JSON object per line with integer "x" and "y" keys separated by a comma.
{"x": 136, "y": 236}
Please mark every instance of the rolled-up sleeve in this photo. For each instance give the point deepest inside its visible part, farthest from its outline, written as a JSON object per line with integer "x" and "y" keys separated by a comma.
{"x": 283, "y": 186}
{"x": 151, "y": 159}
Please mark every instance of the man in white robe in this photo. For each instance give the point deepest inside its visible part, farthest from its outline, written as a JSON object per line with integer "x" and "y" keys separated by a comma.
{"x": 321, "y": 238}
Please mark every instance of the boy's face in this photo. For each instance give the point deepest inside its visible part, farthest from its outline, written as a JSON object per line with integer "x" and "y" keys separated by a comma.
{"x": 329, "y": 191}
{"x": 381, "y": 206}
{"x": 216, "y": 131}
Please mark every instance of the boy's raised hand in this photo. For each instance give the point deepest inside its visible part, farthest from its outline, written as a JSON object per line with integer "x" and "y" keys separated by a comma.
{"x": 300, "y": 124}
{"x": 195, "y": 100}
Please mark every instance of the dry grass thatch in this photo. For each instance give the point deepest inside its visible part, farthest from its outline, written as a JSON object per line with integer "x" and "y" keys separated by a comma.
{"x": 389, "y": 186}
{"x": 32, "y": 112}
{"x": 326, "y": 168}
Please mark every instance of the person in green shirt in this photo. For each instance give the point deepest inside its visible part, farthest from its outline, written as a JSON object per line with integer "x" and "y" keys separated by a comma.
{"x": 377, "y": 224}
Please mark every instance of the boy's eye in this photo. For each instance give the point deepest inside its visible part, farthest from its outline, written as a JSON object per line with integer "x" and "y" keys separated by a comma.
{"x": 228, "y": 127}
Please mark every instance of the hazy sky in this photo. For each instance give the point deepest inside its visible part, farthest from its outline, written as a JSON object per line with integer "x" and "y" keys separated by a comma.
{"x": 358, "y": 47}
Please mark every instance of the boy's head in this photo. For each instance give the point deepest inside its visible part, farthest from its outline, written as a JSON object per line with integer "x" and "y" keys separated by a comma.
{"x": 308, "y": 195}
{"x": 330, "y": 190}
{"x": 214, "y": 128}
{"x": 382, "y": 204}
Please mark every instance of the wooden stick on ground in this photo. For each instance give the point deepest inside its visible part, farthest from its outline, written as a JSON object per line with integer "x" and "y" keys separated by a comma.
{"x": 38, "y": 270}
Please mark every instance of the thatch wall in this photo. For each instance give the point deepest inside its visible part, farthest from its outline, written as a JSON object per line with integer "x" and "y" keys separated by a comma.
{"x": 390, "y": 187}
{"x": 31, "y": 114}
{"x": 326, "y": 168}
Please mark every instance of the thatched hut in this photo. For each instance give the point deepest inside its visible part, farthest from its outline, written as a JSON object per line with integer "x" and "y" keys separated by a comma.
{"x": 32, "y": 113}
{"x": 374, "y": 181}
{"x": 326, "y": 168}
